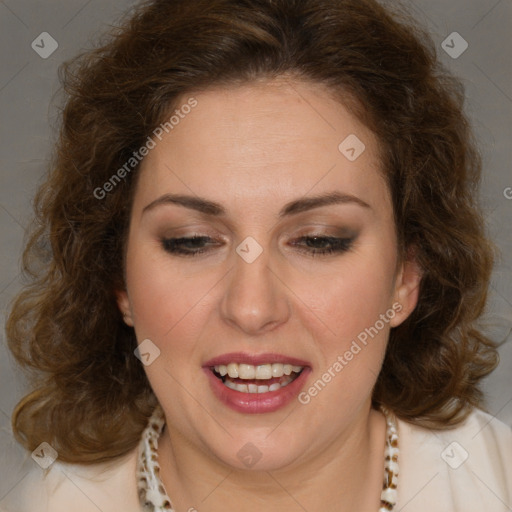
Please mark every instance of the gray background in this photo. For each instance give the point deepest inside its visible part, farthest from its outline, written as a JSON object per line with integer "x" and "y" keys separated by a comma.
{"x": 28, "y": 84}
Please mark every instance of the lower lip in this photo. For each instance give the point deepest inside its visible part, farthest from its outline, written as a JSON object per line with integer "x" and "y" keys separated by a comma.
{"x": 256, "y": 403}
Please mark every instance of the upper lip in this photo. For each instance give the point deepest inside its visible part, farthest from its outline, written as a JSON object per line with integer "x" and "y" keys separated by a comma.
{"x": 254, "y": 359}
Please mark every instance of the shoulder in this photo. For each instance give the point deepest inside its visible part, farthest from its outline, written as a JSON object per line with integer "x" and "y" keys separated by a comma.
{"x": 108, "y": 487}
{"x": 467, "y": 468}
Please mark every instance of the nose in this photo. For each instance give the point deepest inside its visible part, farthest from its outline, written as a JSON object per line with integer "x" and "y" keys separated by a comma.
{"x": 255, "y": 300}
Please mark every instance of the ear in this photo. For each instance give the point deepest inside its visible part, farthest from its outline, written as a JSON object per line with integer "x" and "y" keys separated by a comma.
{"x": 407, "y": 287}
{"x": 123, "y": 302}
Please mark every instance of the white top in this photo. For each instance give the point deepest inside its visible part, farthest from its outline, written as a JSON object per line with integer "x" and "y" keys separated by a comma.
{"x": 465, "y": 469}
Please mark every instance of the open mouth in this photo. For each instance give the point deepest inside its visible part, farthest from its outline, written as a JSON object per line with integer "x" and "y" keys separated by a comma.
{"x": 264, "y": 378}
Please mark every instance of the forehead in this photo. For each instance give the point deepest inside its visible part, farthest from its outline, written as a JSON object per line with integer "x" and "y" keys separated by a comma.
{"x": 261, "y": 140}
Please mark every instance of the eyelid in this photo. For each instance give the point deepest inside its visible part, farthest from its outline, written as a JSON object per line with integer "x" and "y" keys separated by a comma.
{"x": 193, "y": 230}
{"x": 323, "y": 230}
{"x": 311, "y": 229}
{"x": 179, "y": 228}
{"x": 337, "y": 245}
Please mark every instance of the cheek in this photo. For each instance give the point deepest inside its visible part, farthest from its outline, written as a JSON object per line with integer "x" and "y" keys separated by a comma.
{"x": 351, "y": 339}
{"x": 165, "y": 303}
{"x": 363, "y": 295}
{"x": 353, "y": 297}
{"x": 347, "y": 322}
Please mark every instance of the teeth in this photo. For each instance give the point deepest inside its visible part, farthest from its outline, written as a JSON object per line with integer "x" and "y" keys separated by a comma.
{"x": 246, "y": 371}
{"x": 232, "y": 369}
{"x": 254, "y": 388}
{"x": 237, "y": 387}
{"x": 262, "y": 371}
{"x": 277, "y": 370}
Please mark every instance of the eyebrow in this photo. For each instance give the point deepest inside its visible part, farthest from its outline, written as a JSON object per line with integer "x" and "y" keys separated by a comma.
{"x": 208, "y": 207}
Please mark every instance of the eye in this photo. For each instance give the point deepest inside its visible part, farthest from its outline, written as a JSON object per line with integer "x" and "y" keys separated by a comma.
{"x": 188, "y": 246}
{"x": 312, "y": 245}
{"x": 323, "y": 245}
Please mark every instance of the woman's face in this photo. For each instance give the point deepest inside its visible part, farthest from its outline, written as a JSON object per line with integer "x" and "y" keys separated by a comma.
{"x": 269, "y": 177}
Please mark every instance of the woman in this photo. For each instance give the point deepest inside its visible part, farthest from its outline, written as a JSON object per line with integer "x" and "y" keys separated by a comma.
{"x": 260, "y": 263}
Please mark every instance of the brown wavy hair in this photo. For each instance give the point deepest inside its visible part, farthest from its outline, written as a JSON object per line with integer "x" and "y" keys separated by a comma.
{"x": 91, "y": 397}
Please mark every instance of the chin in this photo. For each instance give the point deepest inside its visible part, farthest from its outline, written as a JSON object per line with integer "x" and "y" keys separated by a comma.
{"x": 259, "y": 451}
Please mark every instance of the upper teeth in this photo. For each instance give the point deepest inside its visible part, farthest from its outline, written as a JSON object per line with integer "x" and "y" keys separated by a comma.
{"x": 262, "y": 371}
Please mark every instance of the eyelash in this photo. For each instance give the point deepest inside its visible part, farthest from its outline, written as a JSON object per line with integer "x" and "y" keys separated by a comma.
{"x": 338, "y": 245}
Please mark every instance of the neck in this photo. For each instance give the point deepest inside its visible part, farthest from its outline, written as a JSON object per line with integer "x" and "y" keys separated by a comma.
{"x": 346, "y": 475}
